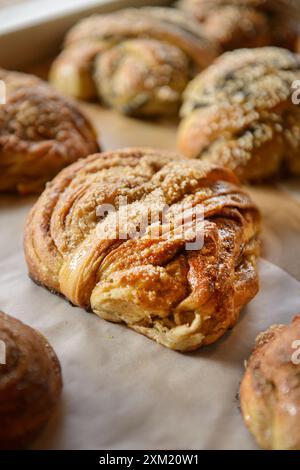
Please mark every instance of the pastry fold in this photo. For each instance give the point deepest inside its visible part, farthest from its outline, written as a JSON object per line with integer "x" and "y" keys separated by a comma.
{"x": 242, "y": 112}
{"x": 270, "y": 390}
{"x": 159, "y": 283}
{"x": 40, "y": 133}
{"x": 234, "y": 24}
{"x": 30, "y": 383}
{"x": 137, "y": 61}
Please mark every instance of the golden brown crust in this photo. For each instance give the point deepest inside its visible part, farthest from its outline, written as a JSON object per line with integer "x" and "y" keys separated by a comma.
{"x": 30, "y": 383}
{"x": 239, "y": 112}
{"x": 142, "y": 76}
{"x": 72, "y": 72}
{"x": 161, "y": 30}
{"x": 155, "y": 285}
{"x": 270, "y": 390}
{"x": 40, "y": 133}
{"x": 247, "y": 23}
{"x": 163, "y": 24}
{"x": 297, "y": 47}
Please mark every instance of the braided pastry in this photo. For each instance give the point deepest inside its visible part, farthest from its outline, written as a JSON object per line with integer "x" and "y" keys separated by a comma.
{"x": 136, "y": 60}
{"x": 247, "y": 23}
{"x": 240, "y": 113}
{"x": 30, "y": 383}
{"x": 158, "y": 286}
{"x": 40, "y": 133}
{"x": 270, "y": 390}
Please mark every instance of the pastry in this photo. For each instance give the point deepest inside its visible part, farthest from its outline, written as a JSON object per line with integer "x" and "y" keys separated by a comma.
{"x": 135, "y": 60}
{"x": 181, "y": 295}
{"x": 133, "y": 77}
{"x": 40, "y": 133}
{"x": 30, "y": 383}
{"x": 270, "y": 390}
{"x": 247, "y": 23}
{"x": 298, "y": 43}
{"x": 241, "y": 113}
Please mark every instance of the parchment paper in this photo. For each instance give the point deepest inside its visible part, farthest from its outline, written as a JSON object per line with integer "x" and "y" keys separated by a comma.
{"x": 123, "y": 391}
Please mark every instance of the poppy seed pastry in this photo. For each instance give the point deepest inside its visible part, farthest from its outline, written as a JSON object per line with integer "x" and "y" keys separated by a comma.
{"x": 30, "y": 383}
{"x": 270, "y": 390}
{"x": 142, "y": 76}
{"x": 135, "y": 60}
{"x": 240, "y": 113}
{"x": 235, "y": 24}
{"x": 40, "y": 133}
{"x": 180, "y": 295}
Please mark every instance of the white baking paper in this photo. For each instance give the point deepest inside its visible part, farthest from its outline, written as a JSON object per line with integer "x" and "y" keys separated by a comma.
{"x": 123, "y": 391}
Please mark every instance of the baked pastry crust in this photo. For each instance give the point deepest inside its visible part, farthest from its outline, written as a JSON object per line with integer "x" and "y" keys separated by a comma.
{"x": 270, "y": 390}
{"x": 247, "y": 23}
{"x": 30, "y": 383}
{"x": 240, "y": 113}
{"x": 182, "y": 299}
{"x": 134, "y": 78}
{"x": 40, "y": 133}
{"x": 137, "y": 60}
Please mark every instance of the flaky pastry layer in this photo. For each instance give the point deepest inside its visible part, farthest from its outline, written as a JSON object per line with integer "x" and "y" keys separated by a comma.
{"x": 247, "y": 23}
{"x": 135, "y": 60}
{"x": 30, "y": 383}
{"x": 270, "y": 390}
{"x": 40, "y": 133}
{"x": 181, "y": 296}
{"x": 242, "y": 112}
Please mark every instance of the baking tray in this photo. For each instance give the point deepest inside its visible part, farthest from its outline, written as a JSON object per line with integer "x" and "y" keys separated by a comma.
{"x": 32, "y": 30}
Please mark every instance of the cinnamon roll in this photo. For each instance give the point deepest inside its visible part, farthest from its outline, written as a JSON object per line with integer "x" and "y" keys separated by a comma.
{"x": 243, "y": 113}
{"x": 135, "y": 60}
{"x": 40, "y": 133}
{"x": 270, "y": 390}
{"x": 181, "y": 284}
{"x": 30, "y": 383}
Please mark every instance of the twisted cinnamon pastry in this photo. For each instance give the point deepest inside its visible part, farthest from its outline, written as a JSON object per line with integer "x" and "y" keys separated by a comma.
{"x": 30, "y": 383}
{"x": 156, "y": 285}
{"x": 240, "y": 113}
{"x": 270, "y": 390}
{"x": 40, "y": 133}
{"x": 247, "y": 23}
{"x": 137, "y": 60}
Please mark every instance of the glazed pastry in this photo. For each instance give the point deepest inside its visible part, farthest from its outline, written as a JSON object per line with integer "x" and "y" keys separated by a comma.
{"x": 135, "y": 60}
{"x": 40, "y": 133}
{"x": 240, "y": 113}
{"x": 181, "y": 295}
{"x": 30, "y": 383}
{"x": 247, "y": 23}
{"x": 270, "y": 390}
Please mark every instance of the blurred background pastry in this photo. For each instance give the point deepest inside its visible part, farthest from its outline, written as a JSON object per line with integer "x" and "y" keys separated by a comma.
{"x": 180, "y": 295}
{"x": 241, "y": 112}
{"x": 135, "y": 60}
{"x": 30, "y": 383}
{"x": 40, "y": 133}
{"x": 270, "y": 390}
{"x": 236, "y": 24}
